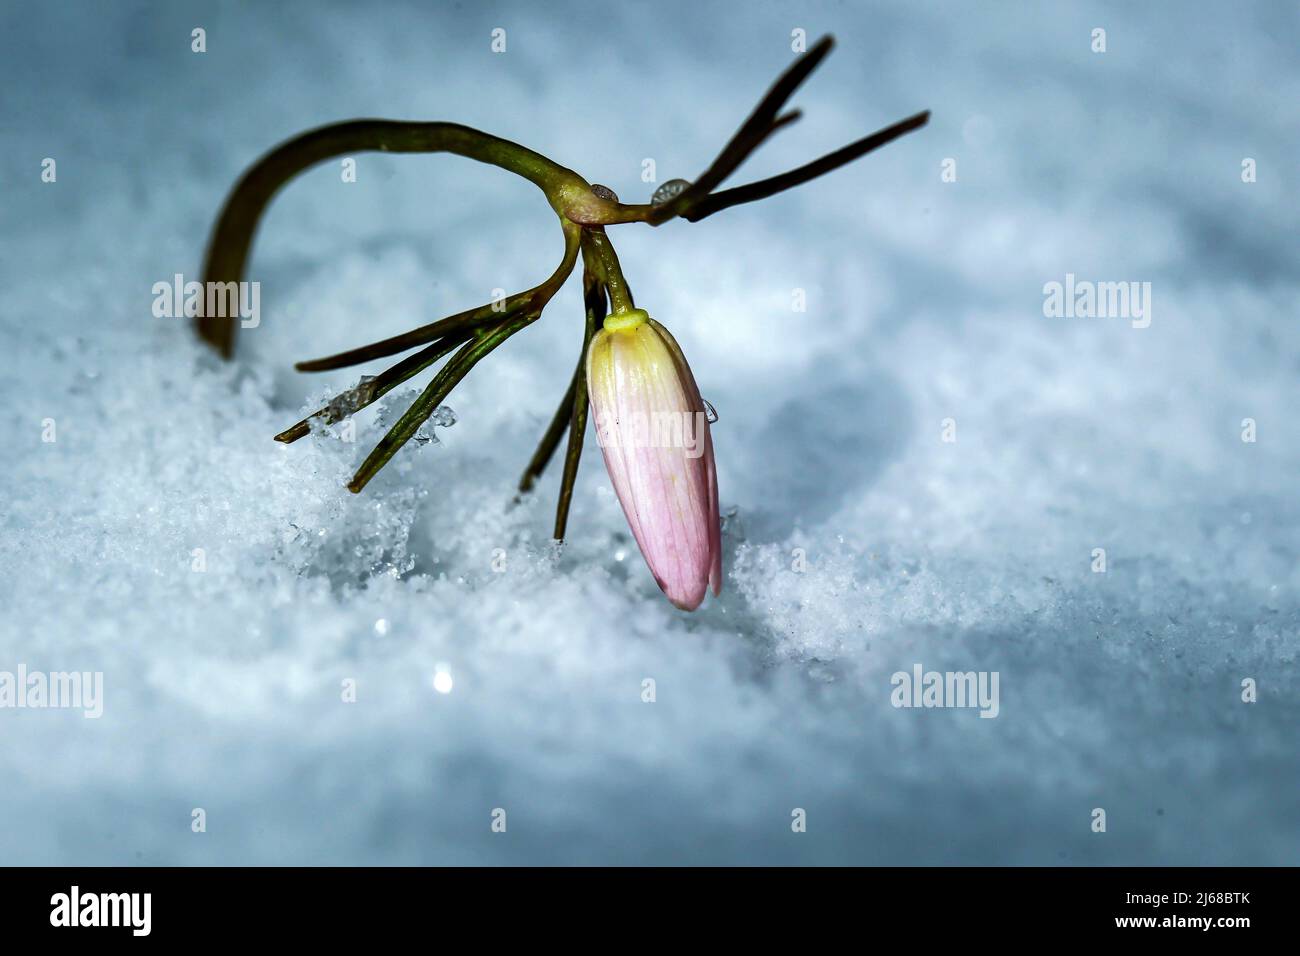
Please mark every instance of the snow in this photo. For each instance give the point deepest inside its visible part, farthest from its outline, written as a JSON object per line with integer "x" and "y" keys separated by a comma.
{"x": 491, "y": 670}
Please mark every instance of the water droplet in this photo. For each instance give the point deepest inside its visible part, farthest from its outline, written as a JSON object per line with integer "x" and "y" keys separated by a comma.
{"x": 733, "y": 524}
{"x": 669, "y": 191}
{"x": 620, "y": 555}
{"x": 604, "y": 192}
{"x": 424, "y": 435}
{"x": 381, "y": 626}
{"x": 443, "y": 416}
{"x": 712, "y": 412}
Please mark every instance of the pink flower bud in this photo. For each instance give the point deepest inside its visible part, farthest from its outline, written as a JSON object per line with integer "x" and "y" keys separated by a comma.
{"x": 653, "y": 430}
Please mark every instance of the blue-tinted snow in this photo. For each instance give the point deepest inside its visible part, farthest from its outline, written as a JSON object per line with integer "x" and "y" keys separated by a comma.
{"x": 1119, "y": 690}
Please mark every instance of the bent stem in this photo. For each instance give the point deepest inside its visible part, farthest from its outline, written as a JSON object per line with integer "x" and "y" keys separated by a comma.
{"x": 232, "y": 237}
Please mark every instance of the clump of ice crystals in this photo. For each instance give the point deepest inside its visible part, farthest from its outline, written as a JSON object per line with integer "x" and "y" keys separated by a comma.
{"x": 442, "y": 417}
{"x": 350, "y": 401}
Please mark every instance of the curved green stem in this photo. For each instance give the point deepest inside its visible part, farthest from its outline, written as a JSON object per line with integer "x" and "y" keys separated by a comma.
{"x": 604, "y": 262}
{"x": 232, "y": 237}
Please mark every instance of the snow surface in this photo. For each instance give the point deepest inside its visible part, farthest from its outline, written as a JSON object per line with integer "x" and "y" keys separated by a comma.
{"x": 1119, "y": 690}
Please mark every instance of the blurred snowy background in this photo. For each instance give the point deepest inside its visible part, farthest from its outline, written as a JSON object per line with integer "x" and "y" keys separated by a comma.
{"x": 1120, "y": 690}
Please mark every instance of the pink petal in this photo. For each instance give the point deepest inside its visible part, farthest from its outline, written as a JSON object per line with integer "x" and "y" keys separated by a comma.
{"x": 640, "y": 385}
